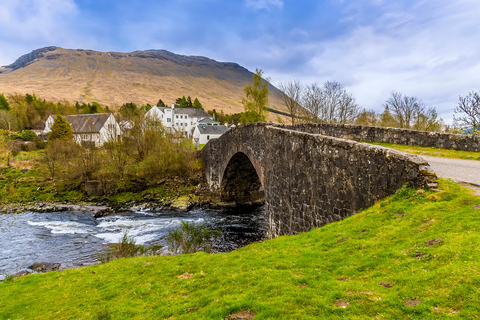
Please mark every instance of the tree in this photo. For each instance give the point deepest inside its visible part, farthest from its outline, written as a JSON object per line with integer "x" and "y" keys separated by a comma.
{"x": 4, "y": 105}
{"x": 128, "y": 110}
{"x": 189, "y": 102}
{"x": 387, "y": 119}
{"x": 467, "y": 113}
{"x": 94, "y": 107}
{"x": 425, "y": 119}
{"x": 312, "y": 102}
{"x": 403, "y": 108}
{"x": 255, "y": 102}
{"x": 366, "y": 118}
{"x": 197, "y": 104}
{"x": 160, "y": 103}
{"x": 291, "y": 97}
{"x": 330, "y": 103}
{"x": 61, "y": 130}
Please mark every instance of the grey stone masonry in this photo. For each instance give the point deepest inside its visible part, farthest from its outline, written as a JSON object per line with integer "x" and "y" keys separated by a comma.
{"x": 307, "y": 179}
{"x": 394, "y": 135}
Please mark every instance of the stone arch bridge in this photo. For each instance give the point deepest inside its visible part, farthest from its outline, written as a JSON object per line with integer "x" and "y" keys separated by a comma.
{"x": 307, "y": 179}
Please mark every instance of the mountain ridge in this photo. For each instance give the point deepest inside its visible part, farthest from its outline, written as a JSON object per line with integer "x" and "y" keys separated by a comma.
{"x": 142, "y": 76}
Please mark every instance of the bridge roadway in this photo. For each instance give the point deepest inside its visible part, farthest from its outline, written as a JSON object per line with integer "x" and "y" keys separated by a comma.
{"x": 462, "y": 171}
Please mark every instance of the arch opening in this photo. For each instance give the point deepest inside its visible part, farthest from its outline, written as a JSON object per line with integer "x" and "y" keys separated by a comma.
{"x": 240, "y": 182}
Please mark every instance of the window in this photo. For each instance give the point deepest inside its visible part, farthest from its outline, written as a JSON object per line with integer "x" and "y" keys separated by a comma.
{"x": 186, "y": 124}
{"x": 169, "y": 120}
{"x": 181, "y": 117}
{"x": 177, "y": 124}
{"x": 176, "y": 116}
{"x": 181, "y": 124}
{"x": 208, "y": 137}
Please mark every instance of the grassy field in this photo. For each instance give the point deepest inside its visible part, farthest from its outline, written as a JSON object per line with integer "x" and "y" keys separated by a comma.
{"x": 414, "y": 255}
{"x": 432, "y": 151}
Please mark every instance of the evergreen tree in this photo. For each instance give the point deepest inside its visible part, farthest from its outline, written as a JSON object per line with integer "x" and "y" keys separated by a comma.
{"x": 255, "y": 102}
{"x": 197, "y": 104}
{"x": 189, "y": 102}
{"x": 387, "y": 119}
{"x": 160, "y": 103}
{"x": 128, "y": 110}
{"x": 183, "y": 103}
{"x": 61, "y": 130}
{"x": 4, "y": 105}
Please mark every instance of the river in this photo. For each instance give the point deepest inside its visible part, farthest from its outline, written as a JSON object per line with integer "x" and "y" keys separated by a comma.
{"x": 75, "y": 238}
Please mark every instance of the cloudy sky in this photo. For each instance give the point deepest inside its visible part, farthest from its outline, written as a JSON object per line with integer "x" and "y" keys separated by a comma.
{"x": 424, "y": 48}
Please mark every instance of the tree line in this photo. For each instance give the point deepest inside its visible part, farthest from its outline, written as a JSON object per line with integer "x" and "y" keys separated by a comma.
{"x": 331, "y": 103}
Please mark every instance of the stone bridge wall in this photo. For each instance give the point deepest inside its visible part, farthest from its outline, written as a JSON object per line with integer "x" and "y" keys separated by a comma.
{"x": 308, "y": 179}
{"x": 393, "y": 135}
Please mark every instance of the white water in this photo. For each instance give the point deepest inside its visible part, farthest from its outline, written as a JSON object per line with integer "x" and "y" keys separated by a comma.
{"x": 76, "y": 238}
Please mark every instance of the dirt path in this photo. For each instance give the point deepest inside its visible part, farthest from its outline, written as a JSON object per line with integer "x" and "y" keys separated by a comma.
{"x": 466, "y": 172}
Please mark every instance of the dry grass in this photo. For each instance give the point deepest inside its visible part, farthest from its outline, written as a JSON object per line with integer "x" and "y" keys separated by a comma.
{"x": 77, "y": 76}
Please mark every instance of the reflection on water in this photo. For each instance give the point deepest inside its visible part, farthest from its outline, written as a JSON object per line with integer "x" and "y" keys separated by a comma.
{"x": 74, "y": 237}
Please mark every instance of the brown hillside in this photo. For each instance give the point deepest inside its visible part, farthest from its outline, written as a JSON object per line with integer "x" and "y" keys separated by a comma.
{"x": 113, "y": 78}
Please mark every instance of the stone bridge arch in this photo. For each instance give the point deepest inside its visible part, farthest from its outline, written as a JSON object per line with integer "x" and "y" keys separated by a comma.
{"x": 307, "y": 179}
{"x": 240, "y": 181}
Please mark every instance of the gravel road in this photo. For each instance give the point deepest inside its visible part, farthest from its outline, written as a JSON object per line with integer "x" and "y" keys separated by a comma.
{"x": 463, "y": 171}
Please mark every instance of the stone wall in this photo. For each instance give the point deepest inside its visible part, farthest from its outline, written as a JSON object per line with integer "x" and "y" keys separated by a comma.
{"x": 308, "y": 179}
{"x": 393, "y": 135}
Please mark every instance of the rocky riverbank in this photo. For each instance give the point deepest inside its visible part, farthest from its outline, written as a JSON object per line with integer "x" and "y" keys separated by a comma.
{"x": 100, "y": 209}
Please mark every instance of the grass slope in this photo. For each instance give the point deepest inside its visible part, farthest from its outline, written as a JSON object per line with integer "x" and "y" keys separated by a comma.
{"x": 329, "y": 273}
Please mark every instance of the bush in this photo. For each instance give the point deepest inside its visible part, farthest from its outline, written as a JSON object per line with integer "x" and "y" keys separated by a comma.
{"x": 127, "y": 248}
{"x": 191, "y": 238}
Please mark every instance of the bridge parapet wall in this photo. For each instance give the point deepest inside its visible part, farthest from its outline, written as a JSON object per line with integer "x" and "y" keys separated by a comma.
{"x": 311, "y": 179}
{"x": 393, "y": 135}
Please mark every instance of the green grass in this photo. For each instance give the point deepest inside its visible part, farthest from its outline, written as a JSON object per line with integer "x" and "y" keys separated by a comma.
{"x": 291, "y": 277}
{"x": 432, "y": 151}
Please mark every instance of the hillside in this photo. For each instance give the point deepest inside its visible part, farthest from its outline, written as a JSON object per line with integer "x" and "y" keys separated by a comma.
{"x": 412, "y": 255}
{"x": 113, "y": 78}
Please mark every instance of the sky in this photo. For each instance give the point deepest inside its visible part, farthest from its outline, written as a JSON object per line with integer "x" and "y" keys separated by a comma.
{"x": 429, "y": 49}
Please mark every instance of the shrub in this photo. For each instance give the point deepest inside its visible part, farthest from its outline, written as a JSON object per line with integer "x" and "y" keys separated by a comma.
{"x": 127, "y": 248}
{"x": 192, "y": 238}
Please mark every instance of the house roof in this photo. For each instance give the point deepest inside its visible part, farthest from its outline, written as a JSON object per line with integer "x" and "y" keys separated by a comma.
{"x": 191, "y": 112}
{"x": 208, "y": 120}
{"x": 206, "y": 129}
{"x": 87, "y": 123}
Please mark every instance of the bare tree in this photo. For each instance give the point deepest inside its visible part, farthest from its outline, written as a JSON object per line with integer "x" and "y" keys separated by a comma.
{"x": 467, "y": 113}
{"x": 312, "y": 102}
{"x": 331, "y": 103}
{"x": 291, "y": 97}
{"x": 404, "y": 108}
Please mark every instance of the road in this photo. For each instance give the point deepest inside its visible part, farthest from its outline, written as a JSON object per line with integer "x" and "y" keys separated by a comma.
{"x": 463, "y": 171}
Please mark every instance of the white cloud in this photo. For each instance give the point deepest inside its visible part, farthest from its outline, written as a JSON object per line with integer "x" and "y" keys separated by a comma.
{"x": 430, "y": 51}
{"x": 28, "y": 24}
{"x": 264, "y": 4}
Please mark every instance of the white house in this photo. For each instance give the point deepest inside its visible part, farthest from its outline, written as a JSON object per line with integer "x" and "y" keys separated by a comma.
{"x": 97, "y": 128}
{"x": 205, "y": 133}
{"x": 179, "y": 119}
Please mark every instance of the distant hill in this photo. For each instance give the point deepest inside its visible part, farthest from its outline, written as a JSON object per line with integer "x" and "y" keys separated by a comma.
{"x": 113, "y": 78}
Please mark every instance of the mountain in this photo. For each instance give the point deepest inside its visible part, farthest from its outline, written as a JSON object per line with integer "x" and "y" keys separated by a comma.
{"x": 113, "y": 78}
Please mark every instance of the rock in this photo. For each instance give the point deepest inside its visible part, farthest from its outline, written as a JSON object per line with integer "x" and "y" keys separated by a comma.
{"x": 386, "y": 284}
{"x": 432, "y": 242}
{"x": 40, "y": 266}
{"x": 21, "y": 273}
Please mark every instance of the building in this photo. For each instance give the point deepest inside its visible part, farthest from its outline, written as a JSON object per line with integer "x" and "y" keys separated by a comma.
{"x": 180, "y": 119}
{"x": 204, "y": 133}
{"x": 95, "y": 128}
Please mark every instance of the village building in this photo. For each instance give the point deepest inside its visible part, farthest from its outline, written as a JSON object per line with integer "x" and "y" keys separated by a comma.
{"x": 204, "y": 133}
{"x": 182, "y": 120}
{"x": 95, "y": 128}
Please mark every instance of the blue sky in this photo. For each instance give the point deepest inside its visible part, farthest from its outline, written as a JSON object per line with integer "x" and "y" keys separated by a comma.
{"x": 429, "y": 49}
